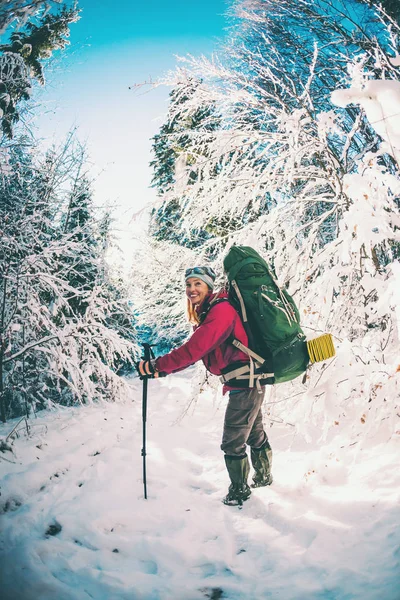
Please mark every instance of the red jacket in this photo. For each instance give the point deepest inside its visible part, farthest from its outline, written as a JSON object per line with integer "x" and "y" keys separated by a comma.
{"x": 208, "y": 342}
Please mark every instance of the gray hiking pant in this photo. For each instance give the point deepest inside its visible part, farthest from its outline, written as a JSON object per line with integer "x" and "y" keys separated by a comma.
{"x": 243, "y": 422}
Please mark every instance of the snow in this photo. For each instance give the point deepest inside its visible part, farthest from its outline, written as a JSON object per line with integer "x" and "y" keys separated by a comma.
{"x": 381, "y": 102}
{"x": 327, "y": 528}
{"x": 395, "y": 60}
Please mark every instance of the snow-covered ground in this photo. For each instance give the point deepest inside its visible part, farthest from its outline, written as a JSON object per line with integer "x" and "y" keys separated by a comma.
{"x": 74, "y": 524}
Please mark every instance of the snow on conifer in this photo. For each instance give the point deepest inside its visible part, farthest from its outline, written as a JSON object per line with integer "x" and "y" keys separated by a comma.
{"x": 311, "y": 186}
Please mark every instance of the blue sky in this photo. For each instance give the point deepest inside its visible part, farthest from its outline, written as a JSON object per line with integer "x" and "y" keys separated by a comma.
{"x": 114, "y": 46}
{"x": 109, "y": 22}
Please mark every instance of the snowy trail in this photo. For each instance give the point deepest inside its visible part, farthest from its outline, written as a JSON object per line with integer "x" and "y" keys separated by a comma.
{"x": 75, "y": 524}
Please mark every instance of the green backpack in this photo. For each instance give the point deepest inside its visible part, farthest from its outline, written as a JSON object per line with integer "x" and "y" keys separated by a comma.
{"x": 278, "y": 350}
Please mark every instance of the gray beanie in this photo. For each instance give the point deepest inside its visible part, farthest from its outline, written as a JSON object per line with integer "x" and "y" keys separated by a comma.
{"x": 206, "y": 274}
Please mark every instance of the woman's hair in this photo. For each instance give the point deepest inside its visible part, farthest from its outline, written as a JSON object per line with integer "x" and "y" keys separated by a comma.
{"x": 193, "y": 317}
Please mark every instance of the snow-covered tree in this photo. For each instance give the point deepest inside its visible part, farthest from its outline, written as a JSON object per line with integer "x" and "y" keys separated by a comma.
{"x": 309, "y": 185}
{"x": 158, "y": 292}
{"x": 64, "y": 330}
{"x": 22, "y": 56}
{"x": 19, "y": 11}
{"x": 171, "y": 160}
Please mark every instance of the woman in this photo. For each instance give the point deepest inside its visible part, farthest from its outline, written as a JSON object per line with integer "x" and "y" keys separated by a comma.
{"x": 215, "y": 321}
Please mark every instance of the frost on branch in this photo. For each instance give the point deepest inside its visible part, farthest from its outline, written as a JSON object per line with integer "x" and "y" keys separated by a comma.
{"x": 381, "y": 102}
{"x": 21, "y": 58}
{"x": 65, "y": 325}
{"x": 158, "y": 292}
{"x": 305, "y": 183}
{"x": 21, "y": 11}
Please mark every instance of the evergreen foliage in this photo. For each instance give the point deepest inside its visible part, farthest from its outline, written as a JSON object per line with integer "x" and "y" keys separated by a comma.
{"x": 21, "y": 61}
{"x": 171, "y": 155}
{"x": 19, "y": 11}
{"x": 65, "y": 323}
{"x": 66, "y": 326}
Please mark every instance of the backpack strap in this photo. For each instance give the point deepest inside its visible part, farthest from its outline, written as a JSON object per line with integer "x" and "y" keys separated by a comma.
{"x": 240, "y": 298}
{"x": 251, "y": 374}
{"x": 259, "y": 359}
{"x": 213, "y": 302}
{"x": 246, "y": 376}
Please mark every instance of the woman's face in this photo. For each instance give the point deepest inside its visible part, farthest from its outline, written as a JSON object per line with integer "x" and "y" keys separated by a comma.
{"x": 196, "y": 290}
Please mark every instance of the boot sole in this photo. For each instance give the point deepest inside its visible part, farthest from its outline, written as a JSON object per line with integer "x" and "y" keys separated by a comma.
{"x": 235, "y": 502}
{"x": 257, "y": 485}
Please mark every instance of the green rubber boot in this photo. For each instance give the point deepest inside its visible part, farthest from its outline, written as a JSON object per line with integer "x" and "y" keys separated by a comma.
{"x": 261, "y": 459}
{"x": 238, "y": 469}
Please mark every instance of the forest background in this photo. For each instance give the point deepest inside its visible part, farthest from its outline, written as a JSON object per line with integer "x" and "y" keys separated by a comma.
{"x": 287, "y": 140}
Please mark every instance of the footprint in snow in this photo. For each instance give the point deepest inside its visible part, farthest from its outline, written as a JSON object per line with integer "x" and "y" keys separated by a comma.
{"x": 206, "y": 570}
{"x": 10, "y": 505}
{"x": 53, "y": 529}
{"x": 149, "y": 567}
{"x": 207, "y": 491}
{"x": 58, "y": 474}
{"x": 86, "y": 545}
{"x": 212, "y": 593}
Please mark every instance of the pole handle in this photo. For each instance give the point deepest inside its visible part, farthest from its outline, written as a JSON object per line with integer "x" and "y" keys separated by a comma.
{"x": 148, "y": 353}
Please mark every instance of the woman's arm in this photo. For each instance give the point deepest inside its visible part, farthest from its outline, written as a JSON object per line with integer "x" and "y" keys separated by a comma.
{"x": 215, "y": 329}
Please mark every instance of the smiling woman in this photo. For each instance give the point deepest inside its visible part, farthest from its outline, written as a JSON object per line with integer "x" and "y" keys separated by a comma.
{"x": 199, "y": 283}
{"x": 215, "y": 324}
{"x": 196, "y": 291}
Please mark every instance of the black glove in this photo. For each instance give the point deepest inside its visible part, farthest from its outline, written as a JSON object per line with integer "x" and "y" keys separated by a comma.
{"x": 147, "y": 369}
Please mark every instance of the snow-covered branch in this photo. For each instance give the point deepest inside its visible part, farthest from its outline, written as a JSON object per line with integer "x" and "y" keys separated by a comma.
{"x": 254, "y": 152}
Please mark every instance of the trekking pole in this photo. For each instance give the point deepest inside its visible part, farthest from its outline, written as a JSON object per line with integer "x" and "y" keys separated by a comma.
{"x": 146, "y": 356}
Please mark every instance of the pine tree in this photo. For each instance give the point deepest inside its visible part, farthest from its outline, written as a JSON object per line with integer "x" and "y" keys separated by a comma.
{"x": 21, "y": 61}
{"x": 79, "y": 223}
{"x": 21, "y": 10}
{"x": 61, "y": 317}
{"x": 170, "y": 148}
